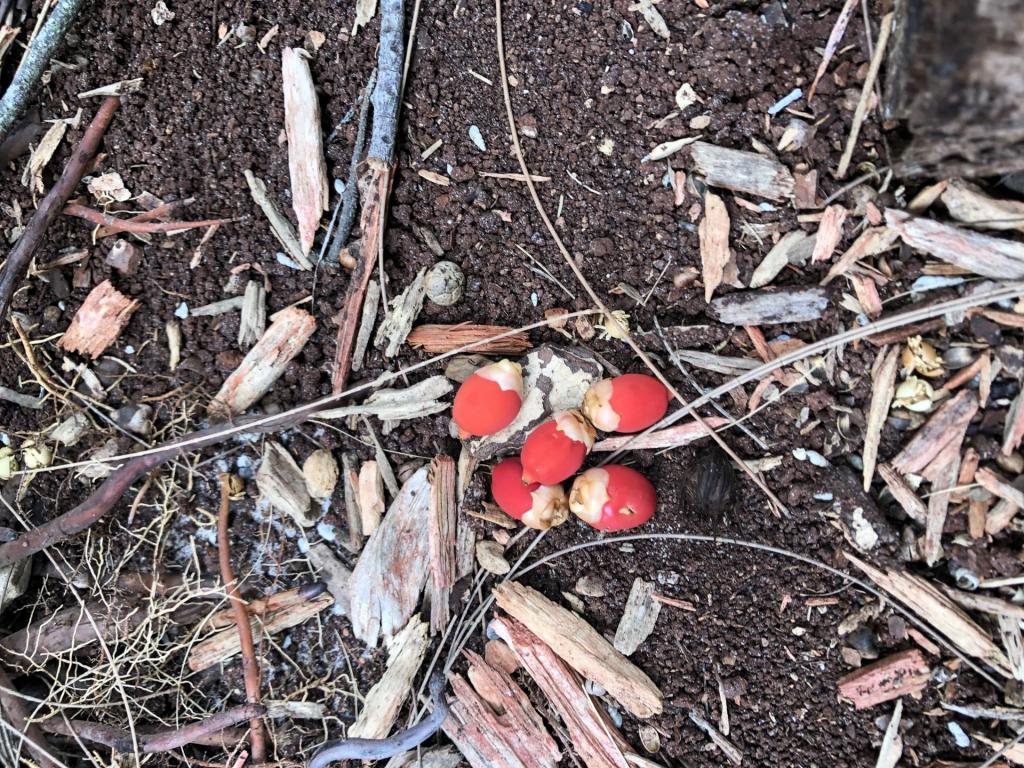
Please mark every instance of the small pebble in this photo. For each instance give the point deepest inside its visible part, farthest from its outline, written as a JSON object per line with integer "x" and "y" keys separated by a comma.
{"x": 962, "y": 739}
{"x": 477, "y": 138}
{"x": 181, "y": 311}
{"x": 445, "y": 283}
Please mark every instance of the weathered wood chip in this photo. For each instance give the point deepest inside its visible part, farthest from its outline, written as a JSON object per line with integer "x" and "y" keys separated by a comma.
{"x": 420, "y": 399}
{"x": 742, "y": 171}
{"x": 883, "y": 388}
{"x": 945, "y": 425}
{"x": 794, "y": 247}
{"x": 405, "y": 308}
{"x": 439, "y": 338}
{"x": 968, "y": 204}
{"x": 443, "y": 533}
{"x": 279, "y": 225}
{"x": 891, "y": 751}
{"x": 334, "y": 573}
{"x": 306, "y": 164}
{"x": 830, "y": 232}
{"x": 717, "y": 260}
{"x": 253, "y": 321}
{"x": 945, "y": 469}
{"x": 638, "y": 618}
{"x": 1013, "y": 429}
{"x": 671, "y": 437}
{"x": 770, "y": 306}
{"x": 870, "y": 242}
{"x": 99, "y": 321}
{"x": 371, "y": 497}
{"x": 902, "y": 673}
{"x": 280, "y": 482}
{"x": 904, "y": 494}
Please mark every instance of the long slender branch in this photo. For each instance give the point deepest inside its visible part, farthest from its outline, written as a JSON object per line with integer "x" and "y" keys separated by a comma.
{"x": 250, "y": 666}
{"x": 138, "y": 224}
{"x": 18, "y": 716}
{"x": 34, "y": 63}
{"x": 51, "y": 205}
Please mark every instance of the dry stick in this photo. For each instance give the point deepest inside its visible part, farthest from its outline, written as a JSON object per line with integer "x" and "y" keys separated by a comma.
{"x": 250, "y": 667}
{"x": 50, "y": 206}
{"x": 865, "y": 95}
{"x": 161, "y": 741}
{"x": 35, "y": 62}
{"x": 16, "y": 712}
{"x": 583, "y": 280}
{"x": 114, "y": 224}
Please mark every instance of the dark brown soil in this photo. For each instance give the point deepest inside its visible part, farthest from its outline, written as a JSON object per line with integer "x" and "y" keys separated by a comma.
{"x": 208, "y": 112}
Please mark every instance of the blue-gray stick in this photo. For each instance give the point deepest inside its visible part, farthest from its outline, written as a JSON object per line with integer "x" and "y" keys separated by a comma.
{"x": 382, "y": 749}
{"x": 34, "y": 63}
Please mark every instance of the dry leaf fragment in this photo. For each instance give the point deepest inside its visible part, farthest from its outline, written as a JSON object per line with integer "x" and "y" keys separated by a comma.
{"x": 33, "y": 175}
{"x": 306, "y": 164}
{"x": 99, "y": 321}
{"x": 920, "y": 356}
{"x": 108, "y": 188}
{"x": 716, "y": 257}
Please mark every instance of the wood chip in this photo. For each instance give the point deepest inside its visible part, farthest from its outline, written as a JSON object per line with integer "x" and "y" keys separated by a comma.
{"x": 741, "y": 171}
{"x": 945, "y": 425}
{"x": 442, "y": 532}
{"x": 1013, "y": 429}
{"x": 1000, "y": 516}
{"x": 770, "y": 306}
{"x": 421, "y": 399}
{"x": 866, "y": 291}
{"x": 984, "y": 255}
{"x": 975, "y": 601}
{"x": 265, "y": 362}
{"x": 434, "y": 178}
{"x": 333, "y": 572}
{"x": 306, "y": 165}
{"x": 438, "y": 339}
{"x": 225, "y": 644}
{"x": 365, "y": 11}
{"x": 883, "y": 380}
{"x": 866, "y": 94}
{"x": 945, "y": 469}
{"x": 99, "y": 321}
{"x": 904, "y": 494}
{"x": 671, "y": 437}
{"x": 870, "y": 242}
{"x": 369, "y": 316}
{"x": 384, "y": 700}
{"x": 32, "y": 177}
{"x": 593, "y": 738}
{"x": 997, "y": 486}
{"x": 253, "y": 321}
{"x": 939, "y": 612}
{"x": 581, "y": 646}
{"x": 730, "y": 750}
{"x": 968, "y": 204}
{"x": 898, "y": 675}
{"x": 279, "y": 225}
{"x": 281, "y": 483}
{"x": 405, "y": 308}
{"x": 794, "y": 247}
{"x": 353, "y": 515}
{"x": 830, "y": 232}
{"x": 668, "y": 148}
{"x": 392, "y": 569}
{"x": 717, "y": 261}
{"x": 638, "y": 618}
{"x": 514, "y": 737}
{"x": 653, "y": 18}
{"x": 371, "y": 497}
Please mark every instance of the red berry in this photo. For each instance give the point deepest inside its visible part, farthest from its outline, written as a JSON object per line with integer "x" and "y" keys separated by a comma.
{"x": 556, "y": 449}
{"x": 537, "y": 506}
{"x": 628, "y": 403}
{"x": 612, "y": 498}
{"x": 489, "y": 400}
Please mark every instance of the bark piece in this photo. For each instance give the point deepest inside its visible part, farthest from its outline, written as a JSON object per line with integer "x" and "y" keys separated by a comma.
{"x": 306, "y": 164}
{"x": 554, "y": 379}
{"x": 279, "y": 225}
{"x": 672, "y": 437}
{"x": 1000, "y": 516}
{"x": 904, "y": 494}
{"x": 717, "y": 261}
{"x": 582, "y": 647}
{"x": 592, "y": 736}
{"x": 794, "y": 247}
{"x": 870, "y": 242}
{"x": 884, "y": 386}
{"x": 830, "y": 232}
{"x": 742, "y": 171}
{"x": 945, "y": 425}
{"x": 371, "y": 497}
{"x": 902, "y": 673}
{"x": 421, "y": 399}
{"x": 225, "y": 644}
{"x": 638, "y": 618}
{"x": 366, "y": 321}
{"x": 405, "y": 308}
{"x": 334, "y": 573}
{"x": 281, "y": 482}
{"x": 770, "y": 306}
{"x": 968, "y": 204}
{"x": 1013, "y": 430}
{"x": 512, "y": 738}
{"x": 442, "y": 534}
{"x": 99, "y": 321}
{"x": 866, "y": 291}
{"x": 993, "y": 257}
{"x": 384, "y": 700}
{"x": 997, "y": 486}
{"x": 438, "y": 339}
{"x": 937, "y": 610}
{"x": 392, "y": 569}
{"x": 944, "y": 472}
{"x": 265, "y": 362}
{"x": 253, "y": 321}
{"x": 353, "y": 515}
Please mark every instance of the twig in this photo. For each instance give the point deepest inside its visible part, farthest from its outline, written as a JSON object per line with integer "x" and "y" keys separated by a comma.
{"x": 36, "y": 60}
{"x": 160, "y": 741}
{"x": 380, "y": 159}
{"x": 17, "y": 714}
{"x": 51, "y": 205}
{"x": 250, "y": 667}
{"x": 114, "y": 224}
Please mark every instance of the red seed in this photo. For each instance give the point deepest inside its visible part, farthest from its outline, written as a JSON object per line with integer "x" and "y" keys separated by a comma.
{"x": 489, "y": 400}
{"x": 555, "y": 450}
{"x": 627, "y": 403}
{"x": 537, "y": 506}
{"x": 612, "y": 498}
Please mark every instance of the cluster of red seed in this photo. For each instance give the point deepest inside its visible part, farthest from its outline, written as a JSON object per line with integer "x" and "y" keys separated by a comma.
{"x": 529, "y": 488}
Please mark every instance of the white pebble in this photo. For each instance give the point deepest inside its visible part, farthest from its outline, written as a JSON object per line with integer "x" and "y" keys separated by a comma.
{"x": 477, "y": 138}
{"x": 962, "y": 739}
{"x": 181, "y": 311}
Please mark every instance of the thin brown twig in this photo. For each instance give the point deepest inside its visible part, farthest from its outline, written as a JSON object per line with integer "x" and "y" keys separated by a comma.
{"x": 114, "y": 224}
{"x": 250, "y": 666}
{"x": 51, "y": 205}
{"x": 164, "y": 209}
{"x": 18, "y": 716}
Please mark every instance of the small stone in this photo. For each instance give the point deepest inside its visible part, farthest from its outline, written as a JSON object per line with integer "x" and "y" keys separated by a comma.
{"x": 700, "y": 122}
{"x": 477, "y": 138}
{"x": 246, "y": 33}
{"x": 36, "y": 456}
{"x": 590, "y": 586}
{"x": 8, "y": 462}
{"x": 862, "y": 640}
{"x": 650, "y": 738}
{"x": 70, "y": 431}
{"x": 135, "y": 418}
{"x": 124, "y": 257}
{"x": 320, "y": 470}
{"x": 491, "y": 556}
{"x": 445, "y": 283}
